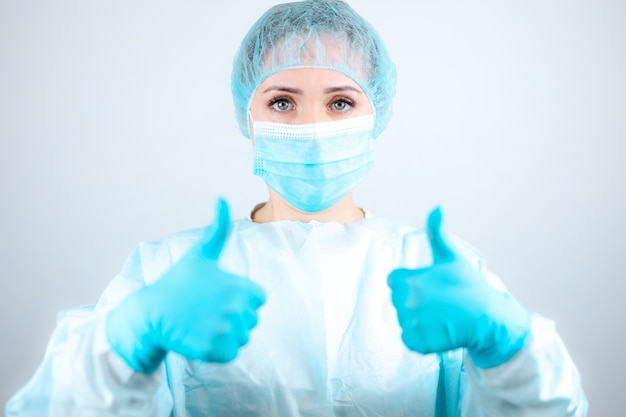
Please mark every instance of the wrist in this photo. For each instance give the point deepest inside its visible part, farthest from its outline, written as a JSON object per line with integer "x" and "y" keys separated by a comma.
{"x": 503, "y": 332}
{"x": 128, "y": 335}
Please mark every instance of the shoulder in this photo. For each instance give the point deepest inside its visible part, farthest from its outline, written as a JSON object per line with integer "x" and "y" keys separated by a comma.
{"x": 169, "y": 245}
{"x": 412, "y": 241}
{"x": 174, "y": 245}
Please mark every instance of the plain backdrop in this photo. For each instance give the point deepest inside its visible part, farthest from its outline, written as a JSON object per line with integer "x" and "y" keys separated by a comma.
{"x": 116, "y": 126}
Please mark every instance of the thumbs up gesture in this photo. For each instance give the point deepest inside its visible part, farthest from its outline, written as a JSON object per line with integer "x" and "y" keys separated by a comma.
{"x": 451, "y": 305}
{"x": 195, "y": 309}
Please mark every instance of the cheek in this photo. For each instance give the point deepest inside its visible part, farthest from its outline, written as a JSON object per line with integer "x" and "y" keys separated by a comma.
{"x": 367, "y": 105}
{"x": 255, "y": 111}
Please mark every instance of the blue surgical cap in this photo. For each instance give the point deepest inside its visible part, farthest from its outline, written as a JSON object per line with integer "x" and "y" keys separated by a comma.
{"x": 314, "y": 34}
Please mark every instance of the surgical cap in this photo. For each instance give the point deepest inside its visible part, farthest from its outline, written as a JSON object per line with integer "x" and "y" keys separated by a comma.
{"x": 314, "y": 34}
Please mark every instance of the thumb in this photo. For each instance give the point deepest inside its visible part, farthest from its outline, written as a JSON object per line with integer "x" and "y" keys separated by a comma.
{"x": 214, "y": 237}
{"x": 440, "y": 244}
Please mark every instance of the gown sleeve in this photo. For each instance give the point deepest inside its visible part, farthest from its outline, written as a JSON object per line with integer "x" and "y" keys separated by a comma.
{"x": 81, "y": 375}
{"x": 541, "y": 380}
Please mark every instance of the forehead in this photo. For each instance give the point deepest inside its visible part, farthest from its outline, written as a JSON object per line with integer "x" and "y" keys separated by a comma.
{"x": 308, "y": 79}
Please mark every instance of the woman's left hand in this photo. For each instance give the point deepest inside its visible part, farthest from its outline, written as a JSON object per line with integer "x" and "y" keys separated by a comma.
{"x": 450, "y": 305}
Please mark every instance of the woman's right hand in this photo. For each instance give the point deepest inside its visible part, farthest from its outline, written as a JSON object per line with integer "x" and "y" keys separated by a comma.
{"x": 195, "y": 309}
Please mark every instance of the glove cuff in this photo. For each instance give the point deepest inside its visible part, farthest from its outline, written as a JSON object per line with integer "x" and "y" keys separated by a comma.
{"x": 505, "y": 332}
{"x": 129, "y": 337}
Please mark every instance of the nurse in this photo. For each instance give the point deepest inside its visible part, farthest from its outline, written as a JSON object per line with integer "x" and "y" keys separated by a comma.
{"x": 311, "y": 306}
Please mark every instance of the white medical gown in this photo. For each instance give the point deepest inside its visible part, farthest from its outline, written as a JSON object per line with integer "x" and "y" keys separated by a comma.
{"x": 327, "y": 343}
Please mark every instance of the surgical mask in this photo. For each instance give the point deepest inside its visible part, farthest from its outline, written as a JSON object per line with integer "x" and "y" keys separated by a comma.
{"x": 313, "y": 166}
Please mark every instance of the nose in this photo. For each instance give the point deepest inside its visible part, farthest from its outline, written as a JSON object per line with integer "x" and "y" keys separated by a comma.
{"x": 313, "y": 111}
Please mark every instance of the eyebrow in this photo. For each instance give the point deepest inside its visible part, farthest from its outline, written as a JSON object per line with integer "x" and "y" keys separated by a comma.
{"x": 284, "y": 88}
{"x": 299, "y": 91}
{"x": 342, "y": 88}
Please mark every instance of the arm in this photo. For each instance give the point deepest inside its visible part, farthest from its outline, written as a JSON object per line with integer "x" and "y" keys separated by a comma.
{"x": 540, "y": 380}
{"x": 110, "y": 362}
{"x": 79, "y": 369}
{"x": 517, "y": 365}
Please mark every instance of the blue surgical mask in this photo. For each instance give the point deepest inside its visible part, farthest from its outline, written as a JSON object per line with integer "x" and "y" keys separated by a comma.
{"x": 313, "y": 166}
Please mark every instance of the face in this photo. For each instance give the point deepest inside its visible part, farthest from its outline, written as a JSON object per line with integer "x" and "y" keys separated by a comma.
{"x": 308, "y": 95}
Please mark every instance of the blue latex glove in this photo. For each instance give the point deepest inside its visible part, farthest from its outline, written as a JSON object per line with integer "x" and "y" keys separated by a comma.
{"x": 451, "y": 305}
{"x": 194, "y": 309}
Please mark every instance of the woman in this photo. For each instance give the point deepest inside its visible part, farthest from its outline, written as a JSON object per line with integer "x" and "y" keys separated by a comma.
{"x": 310, "y": 307}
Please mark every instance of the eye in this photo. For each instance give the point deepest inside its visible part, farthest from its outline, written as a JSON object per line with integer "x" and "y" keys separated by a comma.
{"x": 342, "y": 105}
{"x": 281, "y": 104}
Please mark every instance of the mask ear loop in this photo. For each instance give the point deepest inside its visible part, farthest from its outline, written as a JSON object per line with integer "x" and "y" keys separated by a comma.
{"x": 251, "y": 126}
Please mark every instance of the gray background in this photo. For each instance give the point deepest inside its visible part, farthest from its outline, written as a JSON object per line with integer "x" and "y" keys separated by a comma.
{"x": 116, "y": 126}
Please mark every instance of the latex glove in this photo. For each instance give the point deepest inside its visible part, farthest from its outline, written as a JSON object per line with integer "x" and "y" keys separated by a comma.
{"x": 451, "y": 305}
{"x": 195, "y": 309}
